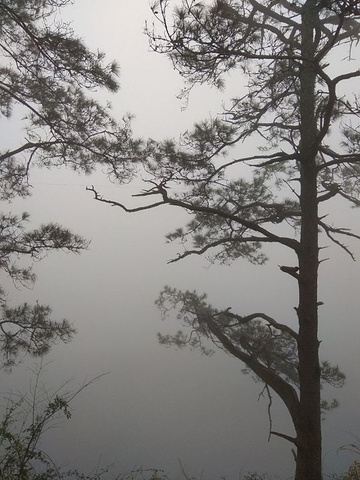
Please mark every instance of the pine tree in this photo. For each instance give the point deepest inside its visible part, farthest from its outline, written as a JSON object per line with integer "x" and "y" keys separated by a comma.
{"x": 46, "y": 76}
{"x": 294, "y": 104}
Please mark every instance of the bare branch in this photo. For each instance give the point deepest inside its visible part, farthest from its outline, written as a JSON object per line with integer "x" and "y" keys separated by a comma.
{"x": 330, "y": 231}
{"x": 285, "y": 437}
{"x": 118, "y": 204}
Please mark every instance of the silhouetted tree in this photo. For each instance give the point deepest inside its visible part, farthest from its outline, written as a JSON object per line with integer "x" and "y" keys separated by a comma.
{"x": 45, "y": 71}
{"x": 306, "y": 123}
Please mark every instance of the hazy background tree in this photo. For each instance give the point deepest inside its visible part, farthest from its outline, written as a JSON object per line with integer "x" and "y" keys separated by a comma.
{"x": 47, "y": 82}
{"x": 47, "y": 76}
{"x": 305, "y": 123}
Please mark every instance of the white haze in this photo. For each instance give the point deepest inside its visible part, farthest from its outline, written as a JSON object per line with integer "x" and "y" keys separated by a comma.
{"x": 158, "y": 405}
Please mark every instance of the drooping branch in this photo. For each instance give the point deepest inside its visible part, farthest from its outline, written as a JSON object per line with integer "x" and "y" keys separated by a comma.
{"x": 285, "y": 391}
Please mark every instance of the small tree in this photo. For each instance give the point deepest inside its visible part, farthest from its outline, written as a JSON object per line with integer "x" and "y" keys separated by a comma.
{"x": 306, "y": 123}
{"x": 45, "y": 71}
{"x": 25, "y": 422}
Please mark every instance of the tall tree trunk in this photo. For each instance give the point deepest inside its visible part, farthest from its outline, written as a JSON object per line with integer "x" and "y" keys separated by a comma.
{"x": 308, "y": 465}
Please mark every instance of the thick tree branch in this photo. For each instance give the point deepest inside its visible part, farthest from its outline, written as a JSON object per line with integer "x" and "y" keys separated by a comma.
{"x": 285, "y": 391}
{"x": 248, "y": 318}
{"x": 161, "y": 190}
{"x": 289, "y": 242}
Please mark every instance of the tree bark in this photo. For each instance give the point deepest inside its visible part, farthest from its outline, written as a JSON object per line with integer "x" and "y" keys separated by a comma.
{"x": 308, "y": 464}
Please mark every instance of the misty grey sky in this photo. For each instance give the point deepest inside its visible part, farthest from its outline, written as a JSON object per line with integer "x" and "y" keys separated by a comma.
{"x": 158, "y": 405}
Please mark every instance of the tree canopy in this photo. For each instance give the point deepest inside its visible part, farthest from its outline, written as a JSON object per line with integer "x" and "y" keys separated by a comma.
{"x": 47, "y": 77}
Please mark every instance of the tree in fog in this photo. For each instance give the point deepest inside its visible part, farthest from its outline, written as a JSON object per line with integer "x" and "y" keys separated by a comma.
{"x": 45, "y": 73}
{"x": 301, "y": 109}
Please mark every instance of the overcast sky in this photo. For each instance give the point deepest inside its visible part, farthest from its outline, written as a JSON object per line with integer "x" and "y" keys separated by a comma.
{"x": 157, "y": 405}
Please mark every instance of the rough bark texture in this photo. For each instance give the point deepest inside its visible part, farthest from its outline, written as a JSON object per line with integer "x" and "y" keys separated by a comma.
{"x": 308, "y": 465}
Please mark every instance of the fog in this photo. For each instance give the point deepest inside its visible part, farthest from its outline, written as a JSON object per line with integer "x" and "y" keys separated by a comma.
{"x": 156, "y": 406}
